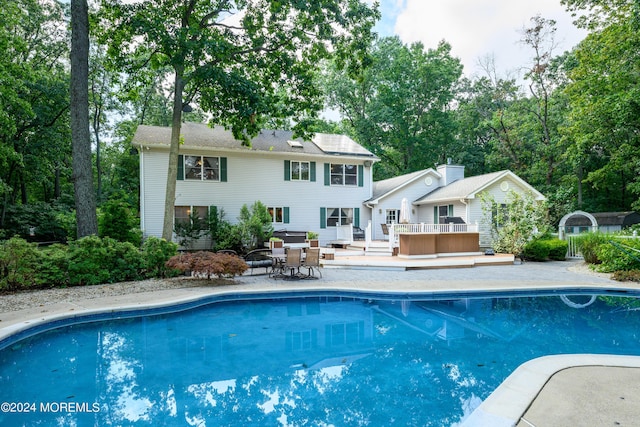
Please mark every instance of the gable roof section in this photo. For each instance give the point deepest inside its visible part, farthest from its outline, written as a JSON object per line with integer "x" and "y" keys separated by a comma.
{"x": 199, "y": 135}
{"x": 468, "y": 188}
{"x": 383, "y": 188}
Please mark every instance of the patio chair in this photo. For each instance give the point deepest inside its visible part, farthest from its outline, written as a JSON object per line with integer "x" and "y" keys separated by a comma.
{"x": 277, "y": 262}
{"x": 385, "y": 231}
{"x": 312, "y": 262}
{"x": 293, "y": 261}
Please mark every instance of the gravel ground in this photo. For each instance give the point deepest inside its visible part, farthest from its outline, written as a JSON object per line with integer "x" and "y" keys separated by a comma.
{"x": 549, "y": 271}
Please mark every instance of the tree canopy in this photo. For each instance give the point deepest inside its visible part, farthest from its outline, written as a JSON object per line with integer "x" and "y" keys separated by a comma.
{"x": 242, "y": 61}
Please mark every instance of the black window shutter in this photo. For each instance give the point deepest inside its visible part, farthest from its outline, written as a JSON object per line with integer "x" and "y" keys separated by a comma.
{"x": 287, "y": 170}
{"x": 180, "y": 167}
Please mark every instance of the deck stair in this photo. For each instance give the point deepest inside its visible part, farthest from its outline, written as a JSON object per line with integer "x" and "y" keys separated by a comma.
{"x": 376, "y": 248}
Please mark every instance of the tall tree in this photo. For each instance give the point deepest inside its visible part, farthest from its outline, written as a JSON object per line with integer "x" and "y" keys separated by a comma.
{"x": 400, "y": 108}
{"x": 33, "y": 102}
{"x": 86, "y": 218}
{"x": 238, "y": 59}
{"x": 605, "y": 113}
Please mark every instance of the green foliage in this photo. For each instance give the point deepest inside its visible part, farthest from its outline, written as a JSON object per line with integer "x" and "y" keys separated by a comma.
{"x": 557, "y": 249}
{"x": 545, "y": 248}
{"x": 589, "y": 243}
{"x": 208, "y": 264}
{"x": 93, "y": 261}
{"x": 619, "y": 254}
{"x": 399, "y": 107}
{"x": 155, "y": 254}
{"x": 19, "y": 263}
{"x": 36, "y": 222}
{"x": 255, "y": 225}
{"x": 515, "y": 224}
{"x": 117, "y": 219}
{"x": 54, "y": 266}
{"x": 536, "y": 250}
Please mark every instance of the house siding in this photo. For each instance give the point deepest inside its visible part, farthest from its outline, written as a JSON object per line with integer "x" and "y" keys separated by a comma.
{"x": 412, "y": 191}
{"x": 500, "y": 197}
{"x": 254, "y": 177}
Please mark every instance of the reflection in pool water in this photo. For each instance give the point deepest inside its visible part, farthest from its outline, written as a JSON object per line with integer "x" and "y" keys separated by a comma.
{"x": 322, "y": 360}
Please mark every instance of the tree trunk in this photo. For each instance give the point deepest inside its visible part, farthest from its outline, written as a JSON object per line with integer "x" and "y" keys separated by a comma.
{"x": 172, "y": 172}
{"x": 86, "y": 218}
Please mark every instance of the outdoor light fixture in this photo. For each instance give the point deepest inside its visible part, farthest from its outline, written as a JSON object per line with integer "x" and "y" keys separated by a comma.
{"x": 368, "y": 163}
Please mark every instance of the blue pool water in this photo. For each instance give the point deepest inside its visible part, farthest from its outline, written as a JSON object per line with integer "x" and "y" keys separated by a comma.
{"x": 323, "y": 360}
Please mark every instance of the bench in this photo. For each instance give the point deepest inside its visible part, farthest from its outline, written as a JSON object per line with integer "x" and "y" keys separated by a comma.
{"x": 259, "y": 258}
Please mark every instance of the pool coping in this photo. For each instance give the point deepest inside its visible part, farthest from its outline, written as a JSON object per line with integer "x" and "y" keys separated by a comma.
{"x": 508, "y": 403}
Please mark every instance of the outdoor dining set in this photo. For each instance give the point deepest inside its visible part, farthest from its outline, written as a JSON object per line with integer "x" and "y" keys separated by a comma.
{"x": 295, "y": 263}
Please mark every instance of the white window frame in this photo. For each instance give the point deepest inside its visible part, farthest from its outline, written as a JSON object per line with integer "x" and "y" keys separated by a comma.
{"x": 299, "y": 165}
{"x": 344, "y": 217}
{"x": 203, "y": 213}
{"x": 273, "y": 211}
{"x": 339, "y": 177}
{"x": 206, "y": 172}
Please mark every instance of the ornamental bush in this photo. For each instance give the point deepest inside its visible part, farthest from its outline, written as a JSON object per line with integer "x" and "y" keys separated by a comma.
{"x": 588, "y": 245}
{"x": 93, "y": 261}
{"x": 557, "y": 249}
{"x": 536, "y": 250}
{"x": 545, "y": 248}
{"x": 208, "y": 264}
{"x": 619, "y": 254}
{"x": 19, "y": 261}
{"x": 155, "y": 254}
{"x": 54, "y": 266}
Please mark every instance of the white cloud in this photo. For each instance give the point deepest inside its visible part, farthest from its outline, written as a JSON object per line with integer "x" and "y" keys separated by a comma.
{"x": 477, "y": 28}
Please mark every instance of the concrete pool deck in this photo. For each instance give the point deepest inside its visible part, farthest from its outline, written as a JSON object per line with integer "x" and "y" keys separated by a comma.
{"x": 550, "y": 391}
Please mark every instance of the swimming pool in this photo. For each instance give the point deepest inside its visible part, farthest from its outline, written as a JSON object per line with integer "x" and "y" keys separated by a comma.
{"x": 344, "y": 359}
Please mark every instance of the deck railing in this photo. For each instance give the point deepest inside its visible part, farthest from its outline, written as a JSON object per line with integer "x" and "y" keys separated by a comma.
{"x": 396, "y": 229}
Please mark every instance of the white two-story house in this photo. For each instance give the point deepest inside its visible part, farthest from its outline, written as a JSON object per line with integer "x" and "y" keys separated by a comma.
{"x": 307, "y": 185}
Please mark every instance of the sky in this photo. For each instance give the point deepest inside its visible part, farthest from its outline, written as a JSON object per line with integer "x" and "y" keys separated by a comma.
{"x": 476, "y": 29}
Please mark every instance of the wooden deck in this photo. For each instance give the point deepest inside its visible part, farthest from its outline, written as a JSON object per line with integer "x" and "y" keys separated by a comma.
{"x": 345, "y": 258}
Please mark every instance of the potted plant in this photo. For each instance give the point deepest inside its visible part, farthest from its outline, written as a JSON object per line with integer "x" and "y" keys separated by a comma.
{"x": 275, "y": 242}
{"x": 312, "y": 239}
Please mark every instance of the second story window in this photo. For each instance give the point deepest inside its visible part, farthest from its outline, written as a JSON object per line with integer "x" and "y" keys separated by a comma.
{"x": 344, "y": 174}
{"x": 202, "y": 168}
{"x": 300, "y": 171}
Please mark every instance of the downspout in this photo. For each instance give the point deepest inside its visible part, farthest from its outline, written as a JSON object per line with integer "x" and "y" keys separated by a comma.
{"x": 466, "y": 209}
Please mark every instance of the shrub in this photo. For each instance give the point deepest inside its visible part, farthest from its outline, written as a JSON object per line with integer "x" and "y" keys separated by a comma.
{"x": 536, "y": 250}
{"x": 545, "y": 248}
{"x": 124, "y": 261}
{"x": 627, "y": 276}
{"x": 117, "y": 220}
{"x": 86, "y": 261}
{"x": 19, "y": 261}
{"x": 93, "y": 261}
{"x": 54, "y": 266}
{"x": 619, "y": 254}
{"x": 588, "y": 244}
{"x": 557, "y": 249}
{"x": 208, "y": 264}
{"x": 155, "y": 254}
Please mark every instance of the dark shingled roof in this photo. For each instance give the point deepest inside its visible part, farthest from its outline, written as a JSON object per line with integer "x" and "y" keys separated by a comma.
{"x": 198, "y": 135}
{"x": 623, "y": 219}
